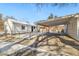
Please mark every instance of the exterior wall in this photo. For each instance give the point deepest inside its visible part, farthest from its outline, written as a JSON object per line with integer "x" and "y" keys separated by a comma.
{"x": 8, "y": 26}
{"x": 72, "y": 28}
{"x": 18, "y": 28}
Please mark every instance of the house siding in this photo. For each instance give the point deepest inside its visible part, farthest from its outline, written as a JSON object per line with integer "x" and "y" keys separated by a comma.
{"x": 8, "y": 26}
{"x": 18, "y": 28}
{"x": 72, "y": 28}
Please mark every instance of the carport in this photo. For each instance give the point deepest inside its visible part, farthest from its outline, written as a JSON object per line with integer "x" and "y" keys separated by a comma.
{"x": 70, "y": 23}
{"x": 55, "y": 22}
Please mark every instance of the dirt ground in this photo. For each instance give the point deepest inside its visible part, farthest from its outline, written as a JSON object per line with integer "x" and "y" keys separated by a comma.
{"x": 61, "y": 45}
{"x": 50, "y": 46}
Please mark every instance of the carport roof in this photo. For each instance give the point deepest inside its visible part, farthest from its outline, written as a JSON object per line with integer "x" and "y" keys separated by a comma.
{"x": 56, "y": 21}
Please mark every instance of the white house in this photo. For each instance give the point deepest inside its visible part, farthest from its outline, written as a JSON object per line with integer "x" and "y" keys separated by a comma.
{"x": 13, "y": 26}
{"x": 10, "y": 25}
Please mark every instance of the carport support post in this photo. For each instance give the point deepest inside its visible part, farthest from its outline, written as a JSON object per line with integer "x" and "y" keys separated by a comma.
{"x": 66, "y": 28}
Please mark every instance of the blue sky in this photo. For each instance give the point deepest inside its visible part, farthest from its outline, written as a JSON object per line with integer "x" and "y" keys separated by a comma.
{"x": 31, "y": 13}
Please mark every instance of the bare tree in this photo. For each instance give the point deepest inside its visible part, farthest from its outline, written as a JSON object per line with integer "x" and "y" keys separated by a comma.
{"x": 41, "y": 5}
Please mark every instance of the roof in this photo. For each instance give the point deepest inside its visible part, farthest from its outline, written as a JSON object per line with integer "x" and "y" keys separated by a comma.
{"x": 19, "y": 22}
{"x": 57, "y": 21}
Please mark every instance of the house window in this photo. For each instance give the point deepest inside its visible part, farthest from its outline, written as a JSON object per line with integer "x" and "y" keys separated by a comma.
{"x": 23, "y": 27}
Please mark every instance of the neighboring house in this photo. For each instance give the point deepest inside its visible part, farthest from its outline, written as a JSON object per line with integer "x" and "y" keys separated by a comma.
{"x": 13, "y": 26}
{"x": 70, "y": 25}
{"x": 10, "y": 25}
